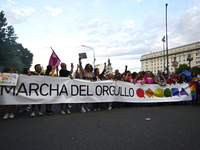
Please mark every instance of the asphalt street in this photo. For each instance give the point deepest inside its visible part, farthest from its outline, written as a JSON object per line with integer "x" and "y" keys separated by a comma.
{"x": 170, "y": 127}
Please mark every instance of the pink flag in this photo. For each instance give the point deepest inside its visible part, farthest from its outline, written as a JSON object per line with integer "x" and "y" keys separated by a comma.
{"x": 54, "y": 61}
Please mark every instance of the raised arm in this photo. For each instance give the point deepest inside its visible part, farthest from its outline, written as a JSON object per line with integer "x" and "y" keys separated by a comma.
{"x": 104, "y": 70}
{"x": 125, "y": 72}
{"x": 80, "y": 66}
{"x": 71, "y": 71}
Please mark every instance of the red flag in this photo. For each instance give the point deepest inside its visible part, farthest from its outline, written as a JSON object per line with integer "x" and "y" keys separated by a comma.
{"x": 54, "y": 61}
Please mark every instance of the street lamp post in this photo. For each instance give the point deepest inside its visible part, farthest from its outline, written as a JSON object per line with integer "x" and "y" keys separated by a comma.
{"x": 189, "y": 58}
{"x": 93, "y": 51}
{"x": 163, "y": 40}
{"x": 167, "y": 42}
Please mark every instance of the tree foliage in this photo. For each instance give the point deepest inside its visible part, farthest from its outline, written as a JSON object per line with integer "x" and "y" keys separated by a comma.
{"x": 181, "y": 68}
{"x": 12, "y": 54}
{"x": 196, "y": 68}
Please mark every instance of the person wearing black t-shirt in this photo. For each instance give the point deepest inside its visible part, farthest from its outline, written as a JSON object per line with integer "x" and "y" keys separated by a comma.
{"x": 65, "y": 73}
{"x": 119, "y": 76}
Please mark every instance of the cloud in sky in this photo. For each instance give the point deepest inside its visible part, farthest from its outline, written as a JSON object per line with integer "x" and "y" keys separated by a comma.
{"x": 11, "y": 1}
{"x": 54, "y": 11}
{"x": 120, "y": 32}
{"x": 23, "y": 11}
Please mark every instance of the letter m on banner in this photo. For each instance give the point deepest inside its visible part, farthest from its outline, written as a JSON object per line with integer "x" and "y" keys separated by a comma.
{"x": 54, "y": 60}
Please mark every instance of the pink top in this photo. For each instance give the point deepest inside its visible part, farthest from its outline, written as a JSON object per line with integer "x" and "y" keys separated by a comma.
{"x": 140, "y": 81}
{"x": 148, "y": 81}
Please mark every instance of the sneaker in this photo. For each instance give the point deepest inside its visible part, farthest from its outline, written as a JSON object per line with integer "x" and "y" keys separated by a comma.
{"x": 33, "y": 114}
{"x": 99, "y": 109}
{"x": 69, "y": 106}
{"x": 20, "y": 110}
{"x": 11, "y": 116}
{"x": 28, "y": 109}
{"x": 95, "y": 109}
{"x": 109, "y": 108}
{"x": 68, "y": 111}
{"x": 40, "y": 113}
{"x": 87, "y": 109}
{"x": 6, "y": 116}
{"x": 51, "y": 112}
{"x": 83, "y": 110}
{"x": 62, "y": 112}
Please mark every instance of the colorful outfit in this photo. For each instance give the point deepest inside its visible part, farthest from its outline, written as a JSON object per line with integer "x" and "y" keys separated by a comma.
{"x": 148, "y": 81}
{"x": 129, "y": 79}
{"x": 140, "y": 81}
{"x": 50, "y": 74}
{"x": 173, "y": 80}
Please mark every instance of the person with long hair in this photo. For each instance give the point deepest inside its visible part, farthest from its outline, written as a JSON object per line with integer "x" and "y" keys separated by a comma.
{"x": 87, "y": 75}
{"x": 49, "y": 73}
{"x": 139, "y": 79}
{"x": 183, "y": 79}
{"x": 193, "y": 75}
{"x": 148, "y": 78}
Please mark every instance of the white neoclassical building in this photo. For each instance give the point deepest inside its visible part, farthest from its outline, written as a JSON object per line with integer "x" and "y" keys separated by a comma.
{"x": 155, "y": 60}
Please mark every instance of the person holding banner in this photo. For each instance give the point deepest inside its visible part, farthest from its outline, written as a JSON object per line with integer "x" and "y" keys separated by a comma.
{"x": 183, "y": 79}
{"x": 148, "y": 78}
{"x": 38, "y": 72}
{"x": 23, "y": 108}
{"x": 194, "y": 79}
{"x": 65, "y": 73}
{"x": 139, "y": 79}
{"x": 6, "y": 108}
{"x": 49, "y": 73}
{"x": 160, "y": 79}
{"x": 87, "y": 75}
{"x": 173, "y": 79}
{"x": 98, "y": 77}
{"x": 128, "y": 77}
{"x": 119, "y": 76}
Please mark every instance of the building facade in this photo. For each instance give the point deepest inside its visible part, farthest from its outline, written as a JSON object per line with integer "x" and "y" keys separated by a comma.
{"x": 176, "y": 56}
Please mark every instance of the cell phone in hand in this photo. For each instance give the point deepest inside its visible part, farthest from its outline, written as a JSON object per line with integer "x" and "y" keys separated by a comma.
{"x": 56, "y": 67}
{"x": 71, "y": 64}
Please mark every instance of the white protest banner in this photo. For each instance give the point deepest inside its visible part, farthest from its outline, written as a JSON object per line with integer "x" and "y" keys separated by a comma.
{"x": 51, "y": 90}
{"x": 8, "y": 79}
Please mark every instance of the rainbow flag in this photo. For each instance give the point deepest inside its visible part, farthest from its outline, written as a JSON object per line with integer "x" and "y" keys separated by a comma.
{"x": 193, "y": 90}
{"x": 195, "y": 79}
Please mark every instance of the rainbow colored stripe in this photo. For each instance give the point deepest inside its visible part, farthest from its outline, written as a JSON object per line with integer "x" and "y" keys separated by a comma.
{"x": 193, "y": 90}
{"x": 195, "y": 79}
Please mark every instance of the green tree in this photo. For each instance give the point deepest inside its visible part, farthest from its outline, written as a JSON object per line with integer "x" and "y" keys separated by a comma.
{"x": 144, "y": 72}
{"x": 12, "y": 54}
{"x": 181, "y": 68}
{"x": 196, "y": 68}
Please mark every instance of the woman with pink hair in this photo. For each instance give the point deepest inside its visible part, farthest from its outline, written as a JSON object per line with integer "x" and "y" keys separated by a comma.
{"x": 148, "y": 78}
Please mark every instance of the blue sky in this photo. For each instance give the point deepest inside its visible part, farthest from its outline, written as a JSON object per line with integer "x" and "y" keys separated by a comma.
{"x": 121, "y": 30}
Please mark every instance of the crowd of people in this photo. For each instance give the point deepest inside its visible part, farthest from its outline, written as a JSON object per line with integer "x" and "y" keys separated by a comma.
{"x": 88, "y": 73}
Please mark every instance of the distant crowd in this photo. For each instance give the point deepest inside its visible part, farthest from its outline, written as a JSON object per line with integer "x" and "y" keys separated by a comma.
{"x": 88, "y": 73}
